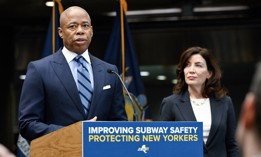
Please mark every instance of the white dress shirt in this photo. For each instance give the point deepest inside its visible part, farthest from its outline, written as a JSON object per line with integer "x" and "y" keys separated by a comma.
{"x": 69, "y": 56}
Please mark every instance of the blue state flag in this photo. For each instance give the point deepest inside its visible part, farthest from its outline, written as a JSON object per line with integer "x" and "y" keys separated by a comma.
{"x": 122, "y": 54}
{"x": 52, "y": 43}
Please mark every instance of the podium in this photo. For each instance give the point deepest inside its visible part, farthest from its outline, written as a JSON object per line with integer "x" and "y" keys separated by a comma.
{"x": 63, "y": 142}
{"x": 117, "y": 139}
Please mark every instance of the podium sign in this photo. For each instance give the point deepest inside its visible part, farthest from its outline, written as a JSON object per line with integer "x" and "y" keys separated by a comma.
{"x": 142, "y": 139}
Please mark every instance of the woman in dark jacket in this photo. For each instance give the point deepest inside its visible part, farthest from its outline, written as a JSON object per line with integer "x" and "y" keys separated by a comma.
{"x": 200, "y": 96}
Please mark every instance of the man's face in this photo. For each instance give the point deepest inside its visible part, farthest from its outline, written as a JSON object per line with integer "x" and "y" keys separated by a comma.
{"x": 76, "y": 30}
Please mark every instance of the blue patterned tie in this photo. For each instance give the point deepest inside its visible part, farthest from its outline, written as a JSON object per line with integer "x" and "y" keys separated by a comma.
{"x": 84, "y": 83}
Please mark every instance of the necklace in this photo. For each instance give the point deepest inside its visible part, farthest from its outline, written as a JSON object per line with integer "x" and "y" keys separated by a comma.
{"x": 198, "y": 102}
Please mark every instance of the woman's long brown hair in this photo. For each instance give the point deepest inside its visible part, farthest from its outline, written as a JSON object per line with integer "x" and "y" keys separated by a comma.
{"x": 213, "y": 85}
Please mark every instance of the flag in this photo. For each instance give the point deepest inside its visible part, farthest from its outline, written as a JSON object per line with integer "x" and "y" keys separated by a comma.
{"x": 23, "y": 147}
{"x": 52, "y": 43}
{"x": 120, "y": 51}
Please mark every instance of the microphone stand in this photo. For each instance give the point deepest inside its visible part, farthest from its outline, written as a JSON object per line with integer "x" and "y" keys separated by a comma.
{"x": 126, "y": 90}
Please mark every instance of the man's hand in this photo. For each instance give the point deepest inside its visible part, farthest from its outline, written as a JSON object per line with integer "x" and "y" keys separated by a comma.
{"x": 93, "y": 119}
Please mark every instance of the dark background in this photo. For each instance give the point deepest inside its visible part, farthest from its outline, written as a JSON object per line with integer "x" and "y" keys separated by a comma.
{"x": 233, "y": 36}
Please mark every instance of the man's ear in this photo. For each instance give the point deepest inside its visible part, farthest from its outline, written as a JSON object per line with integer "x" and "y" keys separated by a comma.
{"x": 60, "y": 32}
{"x": 248, "y": 111}
{"x": 91, "y": 31}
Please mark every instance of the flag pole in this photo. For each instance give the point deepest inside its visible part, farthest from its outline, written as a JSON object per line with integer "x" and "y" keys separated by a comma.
{"x": 54, "y": 29}
{"x": 53, "y": 26}
{"x": 123, "y": 10}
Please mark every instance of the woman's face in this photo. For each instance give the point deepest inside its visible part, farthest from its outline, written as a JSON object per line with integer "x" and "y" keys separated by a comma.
{"x": 196, "y": 71}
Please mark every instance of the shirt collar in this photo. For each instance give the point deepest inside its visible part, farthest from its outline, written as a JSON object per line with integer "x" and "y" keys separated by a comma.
{"x": 69, "y": 55}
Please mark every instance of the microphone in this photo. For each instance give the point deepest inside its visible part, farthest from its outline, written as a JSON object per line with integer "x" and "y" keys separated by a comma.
{"x": 126, "y": 90}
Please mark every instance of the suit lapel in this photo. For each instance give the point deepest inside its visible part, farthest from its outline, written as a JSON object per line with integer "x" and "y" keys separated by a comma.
{"x": 98, "y": 78}
{"x": 188, "y": 114}
{"x": 217, "y": 110}
{"x": 64, "y": 74}
{"x": 186, "y": 108}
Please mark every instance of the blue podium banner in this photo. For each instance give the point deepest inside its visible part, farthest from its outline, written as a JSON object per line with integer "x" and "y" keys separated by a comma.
{"x": 142, "y": 139}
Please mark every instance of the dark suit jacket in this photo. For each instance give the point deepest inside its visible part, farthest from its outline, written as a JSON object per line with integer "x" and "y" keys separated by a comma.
{"x": 221, "y": 141}
{"x": 50, "y": 99}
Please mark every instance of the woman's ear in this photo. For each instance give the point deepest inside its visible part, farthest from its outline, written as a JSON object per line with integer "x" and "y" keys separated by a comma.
{"x": 209, "y": 74}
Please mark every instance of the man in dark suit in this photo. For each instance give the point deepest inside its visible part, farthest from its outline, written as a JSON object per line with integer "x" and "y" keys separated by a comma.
{"x": 50, "y": 97}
